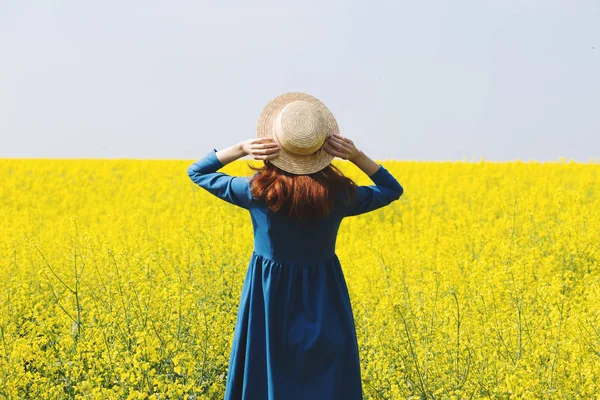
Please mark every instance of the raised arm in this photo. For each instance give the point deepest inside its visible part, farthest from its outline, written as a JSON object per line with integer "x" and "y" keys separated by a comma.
{"x": 366, "y": 198}
{"x": 233, "y": 189}
{"x": 369, "y": 198}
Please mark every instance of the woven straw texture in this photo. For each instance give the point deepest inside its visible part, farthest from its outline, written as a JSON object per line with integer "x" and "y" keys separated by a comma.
{"x": 300, "y": 124}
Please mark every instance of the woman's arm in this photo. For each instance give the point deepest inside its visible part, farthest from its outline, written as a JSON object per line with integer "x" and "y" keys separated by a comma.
{"x": 231, "y": 153}
{"x": 365, "y": 163}
{"x": 258, "y": 148}
{"x": 372, "y": 197}
{"x": 344, "y": 148}
{"x": 233, "y": 189}
{"x": 367, "y": 198}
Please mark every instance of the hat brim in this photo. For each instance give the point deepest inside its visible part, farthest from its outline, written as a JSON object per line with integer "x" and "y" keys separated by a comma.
{"x": 296, "y": 164}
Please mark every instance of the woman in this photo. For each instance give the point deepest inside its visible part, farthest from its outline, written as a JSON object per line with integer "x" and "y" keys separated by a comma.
{"x": 295, "y": 336}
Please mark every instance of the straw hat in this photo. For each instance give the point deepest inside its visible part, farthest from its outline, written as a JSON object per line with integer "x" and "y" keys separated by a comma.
{"x": 300, "y": 124}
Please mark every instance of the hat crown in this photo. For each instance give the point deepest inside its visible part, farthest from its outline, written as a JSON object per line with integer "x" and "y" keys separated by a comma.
{"x": 300, "y": 128}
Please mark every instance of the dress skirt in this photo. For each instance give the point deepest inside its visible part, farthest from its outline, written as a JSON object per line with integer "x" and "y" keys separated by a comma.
{"x": 295, "y": 336}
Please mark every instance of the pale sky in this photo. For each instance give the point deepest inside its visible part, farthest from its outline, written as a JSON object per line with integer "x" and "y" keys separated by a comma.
{"x": 406, "y": 80}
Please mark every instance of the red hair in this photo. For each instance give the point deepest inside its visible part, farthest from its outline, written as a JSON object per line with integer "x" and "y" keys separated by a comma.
{"x": 302, "y": 197}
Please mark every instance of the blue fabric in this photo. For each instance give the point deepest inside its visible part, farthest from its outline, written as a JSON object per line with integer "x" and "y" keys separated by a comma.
{"x": 295, "y": 336}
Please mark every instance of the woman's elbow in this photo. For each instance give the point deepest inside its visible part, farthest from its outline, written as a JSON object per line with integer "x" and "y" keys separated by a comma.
{"x": 193, "y": 174}
{"x": 190, "y": 172}
{"x": 393, "y": 193}
{"x": 398, "y": 191}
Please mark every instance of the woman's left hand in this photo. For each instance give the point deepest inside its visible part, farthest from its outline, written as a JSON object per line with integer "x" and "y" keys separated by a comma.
{"x": 261, "y": 148}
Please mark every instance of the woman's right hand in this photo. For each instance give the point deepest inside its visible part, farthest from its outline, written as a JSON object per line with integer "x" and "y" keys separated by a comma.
{"x": 260, "y": 148}
{"x": 341, "y": 147}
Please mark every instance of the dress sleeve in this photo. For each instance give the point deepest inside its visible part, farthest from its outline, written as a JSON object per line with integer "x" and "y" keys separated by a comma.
{"x": 233, "y": 189}
{"x": 369, "y": 198}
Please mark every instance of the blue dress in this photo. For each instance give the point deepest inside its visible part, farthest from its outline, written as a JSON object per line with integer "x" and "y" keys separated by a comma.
{"x": 295, "y": 336}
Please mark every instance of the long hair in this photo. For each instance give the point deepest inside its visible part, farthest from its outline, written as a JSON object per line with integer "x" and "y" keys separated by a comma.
{"x": 303, "y": 197}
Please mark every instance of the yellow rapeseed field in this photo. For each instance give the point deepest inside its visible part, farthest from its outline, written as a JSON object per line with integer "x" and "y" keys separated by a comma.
{"x": 120, "y": 279}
